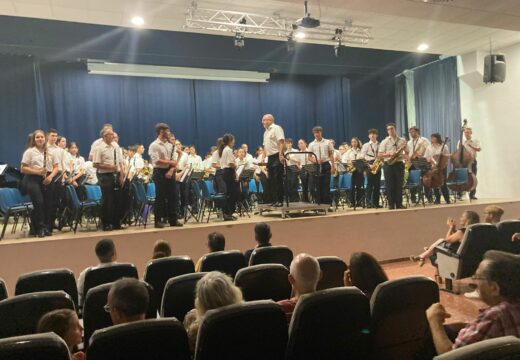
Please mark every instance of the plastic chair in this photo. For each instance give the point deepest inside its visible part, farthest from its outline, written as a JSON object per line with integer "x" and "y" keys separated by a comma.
{"x": 79, "y": 208}
{"x": 13, "y": 205}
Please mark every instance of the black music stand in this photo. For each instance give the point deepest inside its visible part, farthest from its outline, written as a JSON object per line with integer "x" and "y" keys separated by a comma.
{"x": 245, "y": 177}
{"x": 311, "y": 169}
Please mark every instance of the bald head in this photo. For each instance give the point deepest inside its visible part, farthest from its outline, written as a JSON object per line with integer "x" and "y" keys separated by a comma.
{"x": 267, "y": 120}
{"x": 304, "y": 273}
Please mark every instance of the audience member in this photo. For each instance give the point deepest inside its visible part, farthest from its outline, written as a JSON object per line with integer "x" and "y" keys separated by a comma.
{"x": 452, "y": 239}
{"x": 498, "y": 278}
{"x": 364, "y": 272}
{"x": 65, "y": 324}
{"x": 515, "y": 237}
{"x": 216, "y": 242}
{"x": 493, "y": 214}
{"x": 106, "y": 253}
{"x": 161, "y": 249}
{"x": 262, "y": 237}
{"x": 213, "y": 291}
{"x": 127, "y": 301}
{"x": 304, "y": 276}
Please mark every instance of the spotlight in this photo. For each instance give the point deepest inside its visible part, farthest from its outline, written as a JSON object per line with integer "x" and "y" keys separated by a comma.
{"x": 290, "y": 43}
{"x": 137, "y": 21}
{"x": 423, "y": 47}
{"x": 239, "y": 41}
{"x": 338, "y": 49}
{"x": 300, "y": 35}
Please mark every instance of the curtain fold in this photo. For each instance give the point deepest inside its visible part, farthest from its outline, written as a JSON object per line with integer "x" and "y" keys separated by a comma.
{"x": 401, "y": 103}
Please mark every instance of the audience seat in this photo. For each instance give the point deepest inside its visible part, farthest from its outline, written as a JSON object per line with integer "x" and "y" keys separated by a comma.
{"x": 330, "y": 324}
{"x": 228, "y": 262}
{"x": 264, "y": 282}
{"x": 179, "y": 295}
{"x": 157, "y": 339}
{"x": 502, "y": 348}
{"x": 478, "y": 238}
{"x": 506, "y": 229}
{"x": 3, "y": 290}
{"x": 272, "y": 255}
{"x": 48, "y": 346}
{"x": 255, "y": 330}
{"x": 159, "y": 271}
{"x": 19, "y": 315}
{"x": 332, "y": 268}
{"x": 99, "y": 275}
{"x": 48, "y": 280}
{"x": 399, "y": 324}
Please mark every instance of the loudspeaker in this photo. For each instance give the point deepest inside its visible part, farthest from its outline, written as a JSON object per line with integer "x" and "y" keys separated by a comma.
{"x": 494, "y": 68}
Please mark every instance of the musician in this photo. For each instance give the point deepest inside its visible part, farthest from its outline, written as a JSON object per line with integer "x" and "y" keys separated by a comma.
{"x": 342, "y": 153}
{"x": 39, "y": 167}
{"x": 242, "y": 160}
{"x": 78, "y": 165}
{"x": 164, "y": 157}
{"x": 109, "y": 162}
{"x": 304, "y": 175}
{"x": 137, "y": 161}
{"x": 353, "y": 154}
{"x": 337, "y": 154}
{"x": 249, "y": 157}
{"x": 220, "y": 185}
{"x": 182, "y": 167}
{"x": 432, "y": 154}
{"x": 195, "y": 160}
{"x": 417, "y": 146}
{"x": 260, "y": 174}
{"x": 325, "y": 153}
{"x": 227, "y": 164}
{"x": 473, "y": 147}
{"x": 274, "y": 140}
{"x": 394, "y": 149}
{"x": 369, "y": 152}
{"x": 98, "y": 141}
{"x": 292, "y": 171}
{"x": 55, "y": 187}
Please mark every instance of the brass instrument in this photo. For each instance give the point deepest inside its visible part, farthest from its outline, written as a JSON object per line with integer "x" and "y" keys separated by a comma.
{"x": 376, "y": 165}
{"x": 351, "y": 167}
{"x": 393, "y": 159}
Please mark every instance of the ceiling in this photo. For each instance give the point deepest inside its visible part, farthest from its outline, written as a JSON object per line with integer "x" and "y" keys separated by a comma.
{"x": 455, "y": 27}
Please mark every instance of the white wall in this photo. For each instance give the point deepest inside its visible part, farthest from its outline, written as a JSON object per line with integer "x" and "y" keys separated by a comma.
{"x": 493, "y": 111}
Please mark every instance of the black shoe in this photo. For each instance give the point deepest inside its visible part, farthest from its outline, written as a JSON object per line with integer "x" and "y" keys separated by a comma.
{"x": 473, "y": 198}
{"x": 41, "y": 233}
{"x": 176, "y": 224}
{"x": 160, "y": 225}
{"x": 278, "y": 204}
{"x": 437, "y": 202}
{"x": 229, "y": 218}
{"x": 47, "y": 232}
{"x": 391, "y": 207}
{"x": 400, "y": 207}
{"x": 107, "y": 227}
{"x": 118, "y": 227}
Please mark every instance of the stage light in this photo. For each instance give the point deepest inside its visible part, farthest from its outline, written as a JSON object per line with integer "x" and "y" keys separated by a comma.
{"x": 338, "y": 49}
{"x": 300, "y": 35}
{"x": 423, "y": 47}
{"x": 239, "y": 41}
{"x": 338, "y": 34}
{"x": 137, "y": 21}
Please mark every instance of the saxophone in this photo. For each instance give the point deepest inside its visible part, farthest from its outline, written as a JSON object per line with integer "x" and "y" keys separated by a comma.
{"x": 350, "y": 167}
{"x": 393, "y": 159}
{"x": 376, "y": 165}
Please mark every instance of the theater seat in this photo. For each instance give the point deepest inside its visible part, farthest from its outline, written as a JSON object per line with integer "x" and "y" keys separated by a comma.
{"x": 157, "y": 339}
{"x": 330, "y": 324}
{"x": 398, "y": 309}
{"x": 159, "y": 271}
{"x": 264, "y": 282}
{"x": 228, "y": 262}
{"x": 502, "y": 348}
{"x": 3, "y": 290}
{"x": 272, "y": 255}
{"x": 107, "y": 273}
{"x": 19, "y": 315}
{"x": 48, "y": 346}
{"x": 506, "y": 229}
{"x": 332, "y": 268}
{"x": 179, "y": 295}
{"x": 48, "y": 280}
{"x": 255, "y": 330}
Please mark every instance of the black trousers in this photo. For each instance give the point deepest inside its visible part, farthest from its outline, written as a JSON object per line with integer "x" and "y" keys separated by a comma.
{"x": 110, "y": 206}
{"x": 292, "y": 183}
{"x": 356, "y": 192}
{"x": 233, "y": 191}
{"x": 442, "y": 190}
{"x": 394, "y": 175}
{"x": 275, "y": 177}
{"x": 218, "y": 182}
{"x": 41, "y": 197}
{"x": 265, "y": 197}
{"x": 474, "y": 171}
{"x": 373, "y": 188}
{"x": 304, "y": 180}
{"x": 320, "y": 185}
{"x": 166, "y": 197}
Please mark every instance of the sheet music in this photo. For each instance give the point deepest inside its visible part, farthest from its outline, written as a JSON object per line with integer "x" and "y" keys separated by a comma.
{"x": 186, "y": 173}
{"x": 2, "y": 168}
{"x": 240, "y": 169}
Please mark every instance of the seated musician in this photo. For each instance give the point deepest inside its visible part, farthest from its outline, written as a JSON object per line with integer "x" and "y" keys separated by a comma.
{"x": 432, "y": 155}
{"x": 78, "y": 165}
{"x": 293, "y": 162}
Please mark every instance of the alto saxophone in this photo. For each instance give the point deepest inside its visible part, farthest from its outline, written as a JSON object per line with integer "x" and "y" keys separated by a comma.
{"x": 393, "y": 159}
{"x": 376, "y": 165}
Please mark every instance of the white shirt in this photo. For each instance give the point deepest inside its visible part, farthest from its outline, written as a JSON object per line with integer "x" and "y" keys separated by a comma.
{"x": 272, "y": 135}
{"x": 227, "y": 158}
{"x": 292, "y": 157}
{"x": 58, "y": 153}
{"x": 137, "y": 161}
{"x": 369, "y": 150}
{"x": 473, "y": 142}
{"x": 90, "y": 172}
{"x": 32, "y": 157}
{"x": 301, "y": 158}
{"x": 95, "y": 144}
{"x": 418, "y": 146}
{"x": 249, "y": 158}
{"x": 67, "y": 161}
{"x": 79, "y": 163}
{"x": 322, "y": 149}
{"x": 433, "y": 150}
{"x": 108, "y": 155}
{"x": 196, "y": 162}
{"x": 351, "y": 155}
{"x": 183, "y": 162}
{"x": 256, "y": 161}
{"x": 159, "y": 150}
{"x": 337, "y": 155}
{"x": 215, "y": 157}
{"x": 390, "y": 146}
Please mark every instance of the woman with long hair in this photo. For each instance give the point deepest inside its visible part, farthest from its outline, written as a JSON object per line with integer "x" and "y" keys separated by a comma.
{"x": 353, "y": 154}
{"x": 228, "y": 166}
{"x": 65, "y": 324}
{"x": 78, "y": 164}
{"x": 364, "y": 272}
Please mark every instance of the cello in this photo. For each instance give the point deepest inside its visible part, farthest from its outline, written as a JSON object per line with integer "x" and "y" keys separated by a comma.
{"x": 434, "y": 178}
{"x": 462, "y": 158}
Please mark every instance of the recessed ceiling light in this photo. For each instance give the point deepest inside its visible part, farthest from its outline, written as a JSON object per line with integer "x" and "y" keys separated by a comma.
{"x": 137, "y": 21}
{"x": 423, "y": 47}
{"x": 300, "y": 35}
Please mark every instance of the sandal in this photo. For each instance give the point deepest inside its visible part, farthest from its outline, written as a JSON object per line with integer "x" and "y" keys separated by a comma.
{"x": 418, "y": 259}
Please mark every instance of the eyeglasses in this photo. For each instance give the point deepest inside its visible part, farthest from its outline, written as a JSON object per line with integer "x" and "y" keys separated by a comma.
{"x": 106, "y": 308}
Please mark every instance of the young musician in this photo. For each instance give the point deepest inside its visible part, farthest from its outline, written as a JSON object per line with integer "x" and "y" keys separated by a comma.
{"x": 249, "y": 157}
{"x": 261, "y": 174}
{"x": 227, "y": 164}
{"x": 39, "y": 167}
{"x": 369, "y": 153}
{"x": 292, "y": 171}
{"x": 393, "y": 149}
{"x": 471, "y": 145}
{"x": 353, "y": 154}
{"x": 432, "y": 155}
{"x": 195, "y": 160}
{"x": 417, "y": 146}
{"x": 303, "y": 160}
{"x": 56, "y": 186}
{"x": 78, "y": 164}
{"x": 274, "y": 140}
{"x": 325, "y": 153}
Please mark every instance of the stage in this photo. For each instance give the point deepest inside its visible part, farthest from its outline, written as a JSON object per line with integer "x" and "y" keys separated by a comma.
{"x": 387, "y": 234}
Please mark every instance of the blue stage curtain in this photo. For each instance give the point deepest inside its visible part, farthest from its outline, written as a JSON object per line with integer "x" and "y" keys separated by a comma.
{"x": 401, "y": 103}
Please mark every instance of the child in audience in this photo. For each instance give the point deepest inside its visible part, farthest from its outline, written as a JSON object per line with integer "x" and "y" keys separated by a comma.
{"x": 65, "y": 324}
{"x": 262, "y": 237}
{"x": 493, "y": 214}
{"x": 364, "y": 272}
{"x": 213, "y": 291}
{"x": 161, "y": 249}
{"x": 216, "y": 242}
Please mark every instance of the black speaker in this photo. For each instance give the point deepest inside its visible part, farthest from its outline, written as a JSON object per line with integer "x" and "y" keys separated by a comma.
{"x": 494, "y": 68}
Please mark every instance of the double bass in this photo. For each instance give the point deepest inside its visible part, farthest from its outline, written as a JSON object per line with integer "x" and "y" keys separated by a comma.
{"x": 434, "y": 178}
{"x": 462, "y": 158}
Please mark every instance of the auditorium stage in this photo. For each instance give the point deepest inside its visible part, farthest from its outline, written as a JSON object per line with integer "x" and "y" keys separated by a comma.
{"x": 388, "y": 235}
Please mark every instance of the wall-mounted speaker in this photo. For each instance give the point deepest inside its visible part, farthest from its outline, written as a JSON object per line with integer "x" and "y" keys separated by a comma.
{"x": 494, "y": 68}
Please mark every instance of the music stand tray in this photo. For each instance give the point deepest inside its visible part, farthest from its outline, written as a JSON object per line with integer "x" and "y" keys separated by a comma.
{"x": 421, "y": 164}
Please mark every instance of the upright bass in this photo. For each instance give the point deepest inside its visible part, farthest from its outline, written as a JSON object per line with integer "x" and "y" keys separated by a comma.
{"x": 462, "y": 158}
{"x": 434, "y": 178}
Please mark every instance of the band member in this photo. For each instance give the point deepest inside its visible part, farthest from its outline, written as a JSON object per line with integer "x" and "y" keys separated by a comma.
{"x": 337, "y": 153}
{"x": 249, "y": 157}
{"x": 78, "y": 165}
{"x": 220, "y": 185}
{"x": 39, "y": 167}
{"x": 242, "y": 160}
{"x": 292, "y": 171}
{"x": 393, "y": 150}
{"x": 109, "y": 162}
{"x": 303, "y": 160}
{"x": 432, "y": 152}
{"x": 325, "y": 154}
{"x": 55, "y": 187}
{"x": 98, "y": 141}
{"x": 473, "y": 147}
{"x": 353, "y": 154}
{"x": 181, "y": 181}
{"x": 195, "y": 160}
{"x": 417, "y": 146}
{"x": 261, "y": 174}
{"x": 274, "y": 150}
{"x": 227, "y": 164}
{"x": 369, "y": 153}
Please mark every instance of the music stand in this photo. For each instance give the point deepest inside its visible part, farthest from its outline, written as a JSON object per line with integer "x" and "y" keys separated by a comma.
{"x": 420, "y": 163}
{"x": 312, "y": 169}
{"x": 245, "y": 177}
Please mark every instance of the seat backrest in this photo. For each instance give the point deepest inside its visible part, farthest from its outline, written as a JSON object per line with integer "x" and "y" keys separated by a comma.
{"x": 204, "y": 189}
{"x": 158, "y": 339}
{"x": 502, "y": 348}
{"x": 346, "y": 181}
{"x": 3, "y": 290}
{"x": 73, "y": 197}
{"x": 252, "y": 186}
{"x": 330, "y": 324}
{"x": 414, "y": 177}
{"x": 17, "y": 196}
{"x": 107, "y": 273}
{"x": 228, "y": 262}
{"x": 93, "y": 192}
{"x": 4, "y": 200}
{"x": 252, "y": 330}
{"x": 271, "y": 255}
{"x": 398, "y": 309}
{"x": 47, "y": 346}
{"x": 139, "y": 192}
{"x": 478, "y": 238}
{"x": 332, "y": 269}
{"x": 179, "y": 295}
{"x": 159, "y": 271}
{"x": 506, "y": 229}
{"x": 150, "y": 190}
{"x": 20, "y": 314}
{"x": 264, "y": 282}
{"x": 48, "y": 280}
{"x": 209, "y": 186}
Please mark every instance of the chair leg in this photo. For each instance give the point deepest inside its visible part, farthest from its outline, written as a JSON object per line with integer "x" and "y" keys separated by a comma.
{"x": 6, "y": 220}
